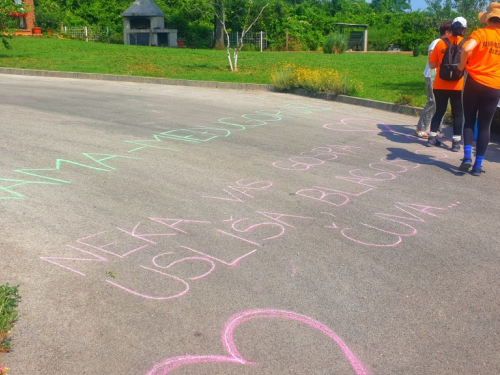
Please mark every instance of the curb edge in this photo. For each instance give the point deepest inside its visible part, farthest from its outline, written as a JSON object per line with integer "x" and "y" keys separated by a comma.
{"x": 407, "y": 110}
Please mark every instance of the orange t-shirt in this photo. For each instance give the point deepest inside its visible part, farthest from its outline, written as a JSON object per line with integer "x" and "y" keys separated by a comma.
{"x": 437, "y": 57}
{"x": 483, "y": 63}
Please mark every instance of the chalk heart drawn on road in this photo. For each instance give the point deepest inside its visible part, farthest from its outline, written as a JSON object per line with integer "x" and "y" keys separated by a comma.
{"x": 234, "y": 356}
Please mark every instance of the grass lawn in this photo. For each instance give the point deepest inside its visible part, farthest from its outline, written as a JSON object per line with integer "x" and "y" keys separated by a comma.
{"x": 383, "y": 76}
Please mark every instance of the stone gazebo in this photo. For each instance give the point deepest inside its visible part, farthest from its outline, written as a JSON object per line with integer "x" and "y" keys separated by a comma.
{"x": 144, "y": 25}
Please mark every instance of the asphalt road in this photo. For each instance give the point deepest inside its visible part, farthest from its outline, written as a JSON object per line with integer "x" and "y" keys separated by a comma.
{"x": 158, "y": 229}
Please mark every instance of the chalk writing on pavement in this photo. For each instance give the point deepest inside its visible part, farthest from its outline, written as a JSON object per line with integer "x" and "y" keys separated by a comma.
{"x": 12, "y": 187}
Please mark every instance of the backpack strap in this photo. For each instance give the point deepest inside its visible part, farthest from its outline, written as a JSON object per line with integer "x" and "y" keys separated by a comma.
{"x": 447, "y": 41}
{"x": 460, "y": 45}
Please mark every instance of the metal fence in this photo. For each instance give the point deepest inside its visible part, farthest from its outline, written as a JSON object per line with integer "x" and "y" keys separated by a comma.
{"x": 89, "y": 34}
{"x": 258, "y": 40}
{"x": 356, "y": 40}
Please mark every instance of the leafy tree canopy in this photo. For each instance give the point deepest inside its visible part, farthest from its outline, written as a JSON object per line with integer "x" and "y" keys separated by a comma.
{"x": 305, "y": 23}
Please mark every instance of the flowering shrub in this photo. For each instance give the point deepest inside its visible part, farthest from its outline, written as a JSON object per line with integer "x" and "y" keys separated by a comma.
{"x": 3, "y": 370}
{"x": 9, "y": 298}
{"x": 327, "y": 81}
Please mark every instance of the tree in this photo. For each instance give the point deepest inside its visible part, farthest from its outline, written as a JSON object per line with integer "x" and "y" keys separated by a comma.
{"x": 49, "y": 15}
{"x": 391, "y": 5}
{"x": 8, "y": 8}
{"x": 469, "y": 10}
{"x": 219, "y": 33}
{"x": 440, "y": 9}
{"x": 219, "y": 9}
{"x": 416, "y": 29}
{"x": 449, "y": 9}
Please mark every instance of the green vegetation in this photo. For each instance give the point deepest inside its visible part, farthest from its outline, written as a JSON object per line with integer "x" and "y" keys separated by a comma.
{"x": 327, "y": 81}
{"x": 335, "y": 43}
{"x": 404, "y": 100}
{"x": 382, "y": 77}
{"x": 300, "y": 26}
{"x": 296, "y": 25}
{"x": 9, "y": 298}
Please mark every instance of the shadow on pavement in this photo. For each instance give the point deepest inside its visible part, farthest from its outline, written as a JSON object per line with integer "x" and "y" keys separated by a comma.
{"x": 493, "y": 152}
{"x": 404, "y": 134}
{"x": 404, "y": 154}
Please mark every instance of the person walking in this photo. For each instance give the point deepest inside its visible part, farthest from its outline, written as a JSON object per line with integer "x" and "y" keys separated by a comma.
{"x": 481, "y": 93}
{"x": 447, "y": 90}
{"x": 425, "y": 118}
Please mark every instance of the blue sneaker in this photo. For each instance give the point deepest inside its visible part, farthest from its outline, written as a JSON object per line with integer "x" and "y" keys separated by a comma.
{"x": 465, "y": 166}
{"x": 476, "y": 171}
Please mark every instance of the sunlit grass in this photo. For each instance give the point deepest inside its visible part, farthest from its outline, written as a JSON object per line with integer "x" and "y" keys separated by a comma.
{"x": 383, "y": 77}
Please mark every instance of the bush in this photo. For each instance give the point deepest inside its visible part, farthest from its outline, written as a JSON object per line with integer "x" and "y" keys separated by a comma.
{"x": 404, "y": 100}
{"x": 380, "y": 39}
{"x": 198, "y": 36}
{"x": 423, "y": 49}
{"x": 283, "y": 78}
{"x": 47, "y": 19}
{"x": 116, "y": 39}
{"x": 248, "y": 47}
{"x": 9, "y": 298}
{"x": 293, "y": 33}
{"x": 327, "y": 81}
{"x": 335, "y": 43}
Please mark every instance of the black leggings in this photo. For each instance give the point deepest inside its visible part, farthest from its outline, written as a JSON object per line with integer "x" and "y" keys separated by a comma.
{"x": 442, "y": 97}
{"x": 478, "y": 101}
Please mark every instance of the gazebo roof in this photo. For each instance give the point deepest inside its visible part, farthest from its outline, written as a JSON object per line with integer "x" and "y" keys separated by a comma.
{"x": 143, "y": 8}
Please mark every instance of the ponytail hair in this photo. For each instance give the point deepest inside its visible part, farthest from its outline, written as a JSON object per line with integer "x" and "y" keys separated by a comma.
{"x": 457, "y": 29}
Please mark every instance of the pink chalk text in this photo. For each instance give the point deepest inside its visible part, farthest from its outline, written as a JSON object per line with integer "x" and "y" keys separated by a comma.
{"x": 234, "y": 356}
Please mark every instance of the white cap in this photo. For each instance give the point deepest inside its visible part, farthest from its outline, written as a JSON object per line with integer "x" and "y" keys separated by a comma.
{"x": 461, "y": 20}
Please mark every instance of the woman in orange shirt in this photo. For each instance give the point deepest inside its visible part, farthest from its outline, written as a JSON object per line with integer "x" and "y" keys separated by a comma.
{"x": 445, "y": 91}
{"x": 481, "y": 93}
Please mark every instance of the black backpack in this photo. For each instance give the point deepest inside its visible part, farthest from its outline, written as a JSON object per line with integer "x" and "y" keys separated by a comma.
{"x": 449, "y": 66}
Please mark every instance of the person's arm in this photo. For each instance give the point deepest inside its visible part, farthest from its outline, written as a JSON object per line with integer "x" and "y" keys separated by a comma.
{"x": 431, "y": 65}
{"x": 434, "y": 57}
{"x": 430, "y": 51}
{"x": 469, "y": 46}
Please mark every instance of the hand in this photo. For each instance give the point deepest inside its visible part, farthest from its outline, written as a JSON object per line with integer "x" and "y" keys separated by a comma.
{"x": 461, "y": 67}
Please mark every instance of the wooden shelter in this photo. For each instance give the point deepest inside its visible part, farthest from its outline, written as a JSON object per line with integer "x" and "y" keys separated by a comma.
{"x": 357, "y": 35}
